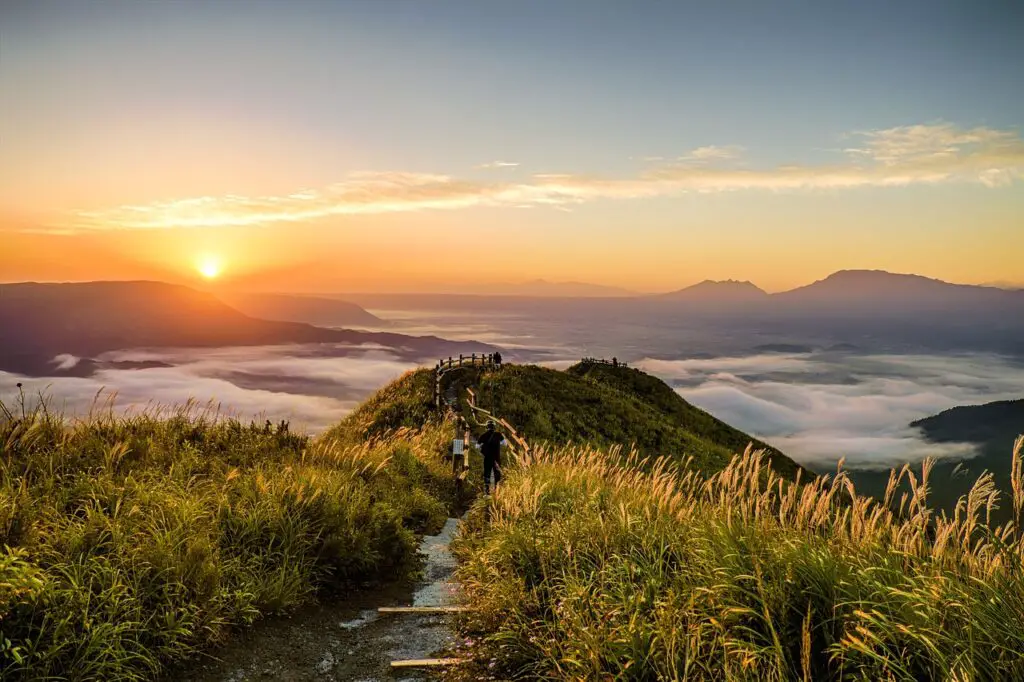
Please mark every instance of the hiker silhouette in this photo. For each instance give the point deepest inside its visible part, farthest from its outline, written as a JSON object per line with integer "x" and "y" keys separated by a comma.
{"x": 490, "y": 442}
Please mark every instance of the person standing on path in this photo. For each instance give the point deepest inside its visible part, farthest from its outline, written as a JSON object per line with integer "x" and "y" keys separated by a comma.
{"x": 490, "y": 442}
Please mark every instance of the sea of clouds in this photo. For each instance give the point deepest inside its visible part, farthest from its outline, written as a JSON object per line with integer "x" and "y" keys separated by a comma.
{"x": 817, "y": 407}
{"x": 272, "y": 382}
{"x": 820, "y": 407}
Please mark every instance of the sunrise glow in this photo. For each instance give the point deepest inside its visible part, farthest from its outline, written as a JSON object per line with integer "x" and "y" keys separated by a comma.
{"x": 646, "y": 170}
{"x": 209, "y": 267}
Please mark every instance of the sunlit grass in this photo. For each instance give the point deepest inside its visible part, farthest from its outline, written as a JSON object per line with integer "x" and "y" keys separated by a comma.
{"x": 588, "y": 568}
{"x": 129, "y": 542}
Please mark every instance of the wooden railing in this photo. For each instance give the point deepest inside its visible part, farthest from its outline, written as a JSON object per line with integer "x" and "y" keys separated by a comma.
{"x": 473, "y": 360}
{"x": 462, "y": 362}
{"x": 615, "y": 362}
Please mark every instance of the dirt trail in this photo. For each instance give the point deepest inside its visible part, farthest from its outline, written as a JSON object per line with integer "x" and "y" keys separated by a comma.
{"x": 348, "y": 641}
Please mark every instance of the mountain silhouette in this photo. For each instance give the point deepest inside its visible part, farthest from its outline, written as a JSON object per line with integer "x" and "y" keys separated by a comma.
{"x": 718, "y": 291}
{"x": 317, "y": 310}
{"x": 873, "y": 284}
{"x": 879, "y": 293}
{"x": 41, "y": 321}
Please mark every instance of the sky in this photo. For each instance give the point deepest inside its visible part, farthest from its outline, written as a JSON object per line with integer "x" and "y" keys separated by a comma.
{"x": 413, "y": 145}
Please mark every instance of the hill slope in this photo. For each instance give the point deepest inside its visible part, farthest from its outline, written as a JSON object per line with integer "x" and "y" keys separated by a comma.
{"x": 589, "y": 403}
{"x": 997, "y": 423}
{"x": 325, "y": 312}
{"x": 992, "y": 428}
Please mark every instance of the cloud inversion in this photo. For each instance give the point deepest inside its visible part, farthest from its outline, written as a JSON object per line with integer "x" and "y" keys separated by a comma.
{"x": 272, "y": 382}
{"x": 819, "y": 408}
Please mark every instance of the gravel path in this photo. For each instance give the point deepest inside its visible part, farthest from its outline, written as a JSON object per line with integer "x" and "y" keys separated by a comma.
{"x": 345, "y": 641}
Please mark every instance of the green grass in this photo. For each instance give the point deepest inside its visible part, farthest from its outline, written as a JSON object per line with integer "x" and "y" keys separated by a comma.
{"x": 407, "y": 402}
{"x": 632, "y": 383}
{"x": 129, "y": 543}
{"x": 591, "y": 403}
{"x": 584, "y": 567}
{"x": 607, "y": 406}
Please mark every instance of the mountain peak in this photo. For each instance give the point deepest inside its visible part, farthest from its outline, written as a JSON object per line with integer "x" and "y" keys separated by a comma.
{"x": 719, "y": 290}
{"x": 880, "y": 286}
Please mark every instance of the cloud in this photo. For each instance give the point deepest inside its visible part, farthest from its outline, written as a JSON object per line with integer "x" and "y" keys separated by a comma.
{"x": 819, "y": 408}
{"x": 497, "y": 164}
{"x": 313, "y": 392}
{"x": 713, "y": 153}
{"x": 65, "y": 361}
{"x": 895, "y": 157}
{"x": 993, "y": 157}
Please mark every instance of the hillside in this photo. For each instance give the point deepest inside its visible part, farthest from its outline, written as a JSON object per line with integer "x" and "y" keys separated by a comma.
{"x": 590, "y": 403}
{"x": 582, "y": 565}
{"x": 41, "y": 321}
{"x": 991, "y": 428}
{"x": 316, "y": 310}
{"x": 996, "y": 424}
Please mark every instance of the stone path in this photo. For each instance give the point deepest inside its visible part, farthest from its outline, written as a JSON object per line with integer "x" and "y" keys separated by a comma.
{"x": 345, "y": 641}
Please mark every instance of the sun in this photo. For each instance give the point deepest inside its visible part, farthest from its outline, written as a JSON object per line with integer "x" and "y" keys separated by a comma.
{"x": 209, "y": 266}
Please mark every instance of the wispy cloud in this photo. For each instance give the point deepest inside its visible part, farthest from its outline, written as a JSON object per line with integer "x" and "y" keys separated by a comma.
{"x": 895, "y": 157}
{"x": 713, "y": 153}
{"x": 497, "y": 164}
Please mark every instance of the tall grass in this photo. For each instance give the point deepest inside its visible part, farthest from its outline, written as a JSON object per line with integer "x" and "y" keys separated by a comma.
{"x": 127, "y": 543}
{"x": 587, "y": 568}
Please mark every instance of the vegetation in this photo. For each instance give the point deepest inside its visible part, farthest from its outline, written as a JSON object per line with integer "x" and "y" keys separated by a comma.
{"x": 608, "y": 406}
{"x": 655, "y": 392}
{"x": 407, "y": 402}
{"x": 601, "y": 405}
{"x": 584, "y": 566}
{"x": 127, "y": 543}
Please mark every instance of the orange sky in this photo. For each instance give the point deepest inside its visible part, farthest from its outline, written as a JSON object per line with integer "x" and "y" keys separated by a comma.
{"x": 371, "y": 150}
{"x": 447, "y": 252}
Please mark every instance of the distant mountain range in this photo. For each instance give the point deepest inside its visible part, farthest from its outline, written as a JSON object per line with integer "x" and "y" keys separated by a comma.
{"x": 85, "y": 320}
{"x": 847, "y": 287}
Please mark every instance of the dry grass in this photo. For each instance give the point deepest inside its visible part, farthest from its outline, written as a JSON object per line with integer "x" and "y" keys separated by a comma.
{"x": 589, "y": 568}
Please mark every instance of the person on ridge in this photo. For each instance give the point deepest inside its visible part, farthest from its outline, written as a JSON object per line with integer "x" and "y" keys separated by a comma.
{"x": 490, "y": 442}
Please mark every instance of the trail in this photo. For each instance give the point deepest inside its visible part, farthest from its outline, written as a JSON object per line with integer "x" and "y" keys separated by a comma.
{"x": 349, "y": 640}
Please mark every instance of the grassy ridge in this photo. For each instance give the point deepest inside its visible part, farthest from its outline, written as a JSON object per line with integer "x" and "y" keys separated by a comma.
{"x": 656, "y": 392}
{"x": 585, "y": 568}
{"x": 609, "y": 406}
{"x": 407, "y": 402}
{"x": 590, "y": 403}
{"x": 130, "y": 543}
